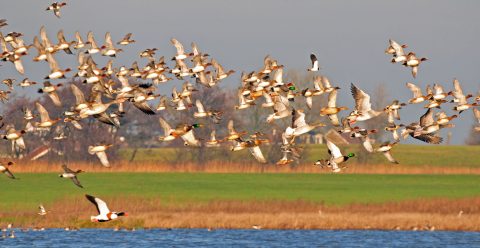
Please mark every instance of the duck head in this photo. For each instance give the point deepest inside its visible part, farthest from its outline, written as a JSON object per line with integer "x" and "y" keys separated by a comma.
{"x": 197, "y": 125}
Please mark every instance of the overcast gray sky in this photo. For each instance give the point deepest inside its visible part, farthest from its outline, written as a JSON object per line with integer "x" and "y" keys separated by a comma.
{"x": 348, "y": 37}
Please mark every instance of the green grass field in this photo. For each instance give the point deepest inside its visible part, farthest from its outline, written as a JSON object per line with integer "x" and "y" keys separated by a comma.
{"x": 407, "y": 155}
{"x": 33, "y": 189}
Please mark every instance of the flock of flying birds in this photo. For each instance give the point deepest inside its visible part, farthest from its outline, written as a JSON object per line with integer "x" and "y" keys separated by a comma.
{"x": 111, "y": 86}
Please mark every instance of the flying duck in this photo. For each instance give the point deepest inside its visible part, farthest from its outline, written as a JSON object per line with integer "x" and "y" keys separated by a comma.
{"x": 68, "y": 173}
{"x": 108, "y": 49}
{"x": 126, "y": 40}
{"x": 201, "y": 113}
{"x": 336, "y": 157}
{"x": 392, "y": 127}
{"x": 362, "y": 134}
{"x": 16, "y": 137}
{"x": 63, "y": 44}
{"x": 363, "y": 107}
{"x": 460, "y": 98}
{"x": 396, "y": 50}
{"x": 55, "y": 7}
{"x": 299, "y": 124}
{"x": 393, "y": 108}
{"x": 78, "y": 44}
{"x": 104, "y": 214}
{"x": 93, "y": 44}
{"x": 385, "y": 149}
{"x": 99, "y": 150}
{"x": 331, "y": 110}
{"x": 213, "y": 142}
{"x": 41, "y": 210}
{"x": 4, "y": 169}
{"x": 26, "y": 83}
{"x": 414, "y": 129}
{"x": 442, "y": 118}
{"x": 45, "y": 120}
{"x": 413, "y": 62}
{"x": 180, "y": 51}
{"x": 51, "y": 91}
{"x": 418, "y": 97}
{"x": 55, "y": 71}
{"x": 314, "y": 60}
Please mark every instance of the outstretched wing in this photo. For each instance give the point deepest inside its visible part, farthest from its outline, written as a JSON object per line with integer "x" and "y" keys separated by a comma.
{"x": 144, "y": 107}
{"x": 101, "y": 206}
{"x": 427, "y": 118}
{"x": 166, "y": 127}
{"x": 417, "y": 92}
{"x": 362, "y": 99}
{"x": 103, "y": 158}
{"x": 66, "y": 169}
{"x": 336, "y": 153}
{"x": 77, "y": 182}
{"x": 199, "y": 106}
{"x": 43, "y": 112}
{"x": 257, "y": 153}
{"x": 389, "y": 156}
{"x": 178, "y": 46}
{"x": 314, "y": 60}
{"x": 190, "y": 139}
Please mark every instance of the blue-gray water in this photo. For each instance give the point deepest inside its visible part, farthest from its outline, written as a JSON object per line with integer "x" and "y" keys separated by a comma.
{"x": 239, "y": 238}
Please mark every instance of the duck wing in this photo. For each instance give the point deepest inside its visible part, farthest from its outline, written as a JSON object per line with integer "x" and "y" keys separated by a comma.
{"x": 166, "y": 127}
{"x": 178, "y": 46}
{"x": 427, "y": 118}
{"x": 66, "y": 169}
{"x": 332, "y": 99}
{"x": 417, "y": 92}
{"x": 55, "y": 98}
{"x": 334, "y": 150}
{"x": 103, "y": 158}
{"x": 476, "y": 113}
{"x": 52, "y": 62}
{"x": 428, "y": 138}
{"x": 314, "y": 60}
{"x": 19, "y": 66}
{"x": 190, "y": 139}
{"x": 9, "y": 174}
{"x": 101, "y": 206}
{"x": 397, "y": 47}
{"x": 79, "y": 96}
{"x": 144, "y": 107}
{"x": 43, "y": 112}
{"x": 199, "y": 106}
{"x": 389, "y": 156}
{"x": 257, "y": 153}
{"x": 76, "y": 181}
{"x": 362, "y": 99}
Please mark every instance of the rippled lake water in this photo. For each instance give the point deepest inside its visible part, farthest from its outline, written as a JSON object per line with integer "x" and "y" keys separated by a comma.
{"x": 239, "y": 238}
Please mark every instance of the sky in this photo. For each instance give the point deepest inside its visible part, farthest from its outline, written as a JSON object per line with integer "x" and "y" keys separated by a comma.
{"x": 348, "y": 37}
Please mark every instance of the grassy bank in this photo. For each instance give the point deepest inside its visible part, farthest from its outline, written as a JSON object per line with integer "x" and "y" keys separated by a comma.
{"x": 241, "y": 200}
{"x": 35, "y": 188}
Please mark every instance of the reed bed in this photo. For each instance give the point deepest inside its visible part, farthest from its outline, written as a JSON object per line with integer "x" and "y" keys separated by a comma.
{"x": 235, "y": 167}
{"x": 421, "y": 214}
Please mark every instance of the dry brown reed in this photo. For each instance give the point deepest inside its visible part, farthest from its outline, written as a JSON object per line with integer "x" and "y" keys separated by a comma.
{"x": 228, "y": 167}
{"x": 425, "y": 214}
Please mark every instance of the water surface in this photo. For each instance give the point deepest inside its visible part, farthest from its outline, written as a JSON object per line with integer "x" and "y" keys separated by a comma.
{"x": 239, "y": 238}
